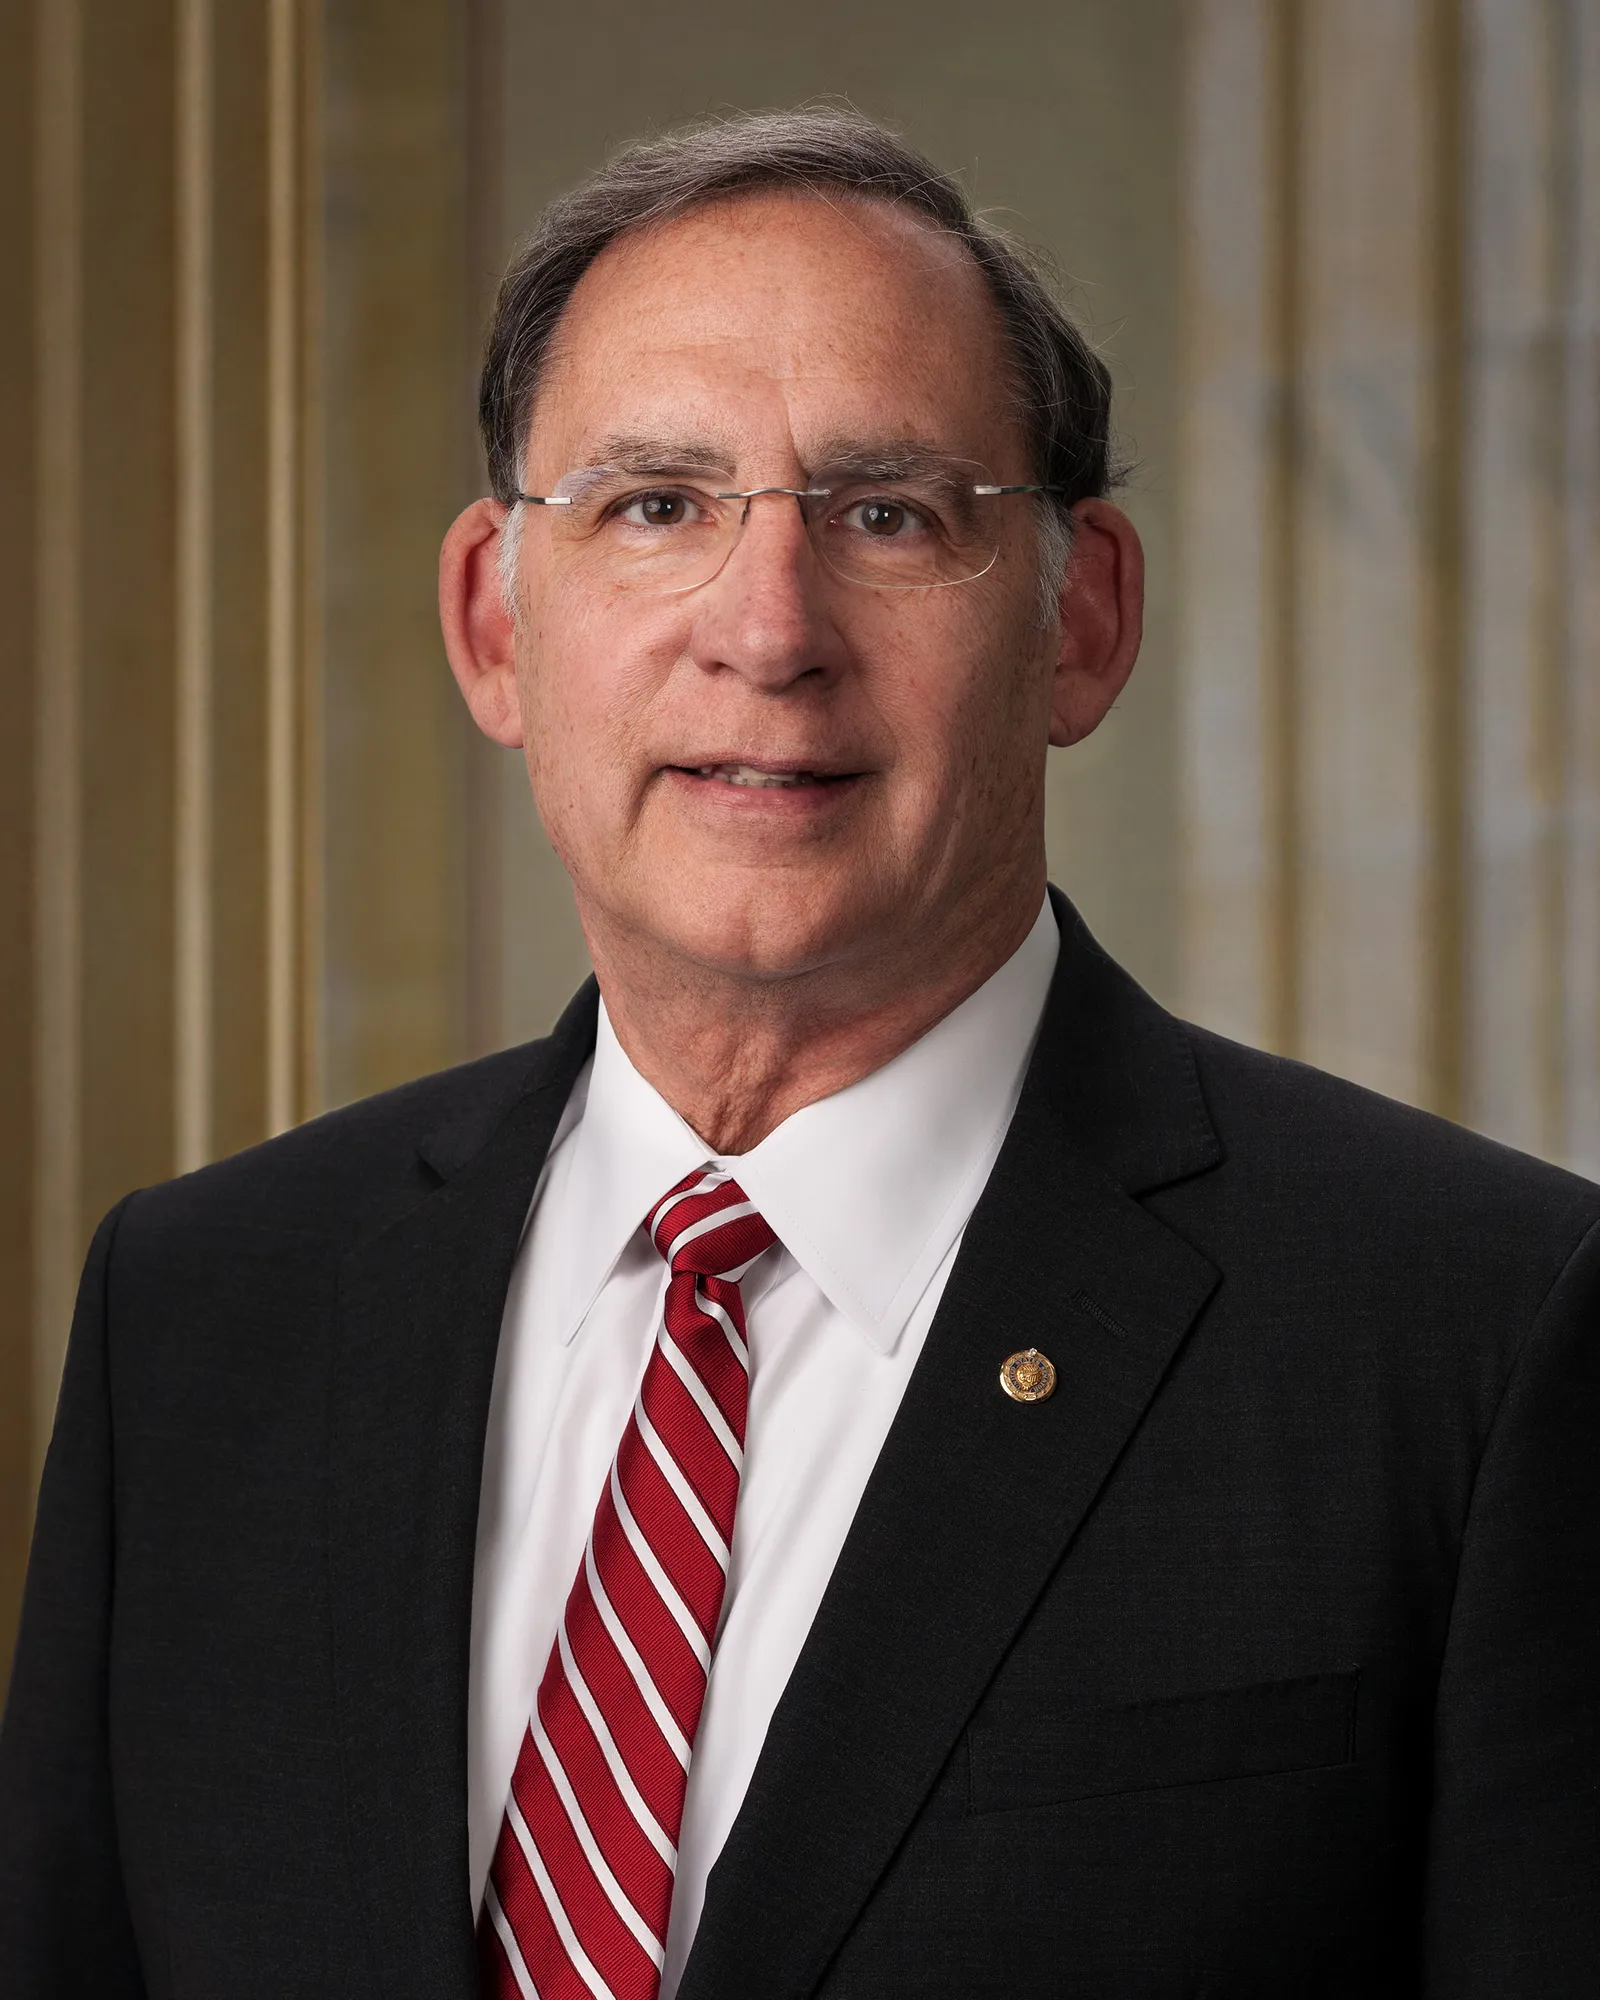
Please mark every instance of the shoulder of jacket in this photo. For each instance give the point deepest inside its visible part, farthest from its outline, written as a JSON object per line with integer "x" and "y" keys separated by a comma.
{"x": 343, "y": 1172}
{"x": 1281, "y": 1113}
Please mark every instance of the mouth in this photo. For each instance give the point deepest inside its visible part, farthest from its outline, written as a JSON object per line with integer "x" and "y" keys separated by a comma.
{"x": 765, "y": 777}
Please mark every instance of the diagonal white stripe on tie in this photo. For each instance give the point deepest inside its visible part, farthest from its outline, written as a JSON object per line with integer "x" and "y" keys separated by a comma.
{"x": 648, "y": 1824}
{"x": 513, "y": 1950}
{"x": 665, "y": 1589}
{"x": 702, "y": 1395}
{"x": 581, "y": 1962}
{"x": 617, "y": 1895}
{"x": 672, "y": 1473}
{"x": 649, "y": 1693}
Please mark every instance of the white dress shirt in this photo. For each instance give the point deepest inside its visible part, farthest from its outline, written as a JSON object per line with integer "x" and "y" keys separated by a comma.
{"x": 868, "y": 1192}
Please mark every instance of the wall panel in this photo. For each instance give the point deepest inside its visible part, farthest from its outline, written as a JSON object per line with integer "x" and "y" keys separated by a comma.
{"x": 1576, "y": 87}
{"x": 398, "y": 345}
{"x": 1513, "y": 579}
{"x": 1235, "y": 875}
{"x": 137, "y": 883}
{"x": 232, "y": 873}
{"x": 22, "y": 443}
{"x": 1402, "y": 791}
{"x": 128, "y": 546}
{"x": 1367, "y": 354}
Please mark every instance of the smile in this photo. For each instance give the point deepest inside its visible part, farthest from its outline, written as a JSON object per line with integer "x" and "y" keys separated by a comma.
{"x": 751, "y": 774}
{"x": 756, "y": 776}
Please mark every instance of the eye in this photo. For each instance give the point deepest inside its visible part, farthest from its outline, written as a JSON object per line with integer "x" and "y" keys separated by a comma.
{"x": 665, "y": 509}
{"x": 883, "y": 517}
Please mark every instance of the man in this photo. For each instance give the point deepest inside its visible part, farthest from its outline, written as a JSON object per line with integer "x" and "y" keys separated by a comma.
{"x": 874, "y": 1461}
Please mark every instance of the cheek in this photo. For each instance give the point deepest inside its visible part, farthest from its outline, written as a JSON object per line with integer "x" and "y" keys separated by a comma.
{"x": 587, "y": 680}
{"x": 972, "y": 710}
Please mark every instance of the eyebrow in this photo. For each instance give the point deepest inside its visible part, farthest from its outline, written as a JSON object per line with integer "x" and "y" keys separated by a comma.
{"x": 892, "y": 458}
{"x": 641, "y": 455}
{"x": 649, "y": 456}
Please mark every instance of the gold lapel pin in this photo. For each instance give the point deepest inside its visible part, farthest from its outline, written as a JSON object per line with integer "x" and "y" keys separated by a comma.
{"x": 1028, "y": 1377}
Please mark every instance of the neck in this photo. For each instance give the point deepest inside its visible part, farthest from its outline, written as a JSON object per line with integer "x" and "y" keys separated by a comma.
{"x": 735, "y": 1056}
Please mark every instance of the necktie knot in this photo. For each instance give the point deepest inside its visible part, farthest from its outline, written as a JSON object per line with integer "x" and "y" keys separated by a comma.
{"x": 708, "y": 1227}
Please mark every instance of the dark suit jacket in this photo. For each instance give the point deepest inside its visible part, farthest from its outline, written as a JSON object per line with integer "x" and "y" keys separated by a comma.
{"x": 1261, "y": 1659}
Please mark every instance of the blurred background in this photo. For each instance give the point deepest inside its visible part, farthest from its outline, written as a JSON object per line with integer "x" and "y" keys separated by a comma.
{"x": 1343, "y": 257}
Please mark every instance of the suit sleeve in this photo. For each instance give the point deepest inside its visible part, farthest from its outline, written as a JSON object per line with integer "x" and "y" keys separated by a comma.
{"x": 65, "y": 1930}
{"x": 1514, "y": 1863}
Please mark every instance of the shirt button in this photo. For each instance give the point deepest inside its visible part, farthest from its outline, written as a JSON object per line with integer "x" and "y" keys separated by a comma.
{"x": 1028, "y": 1377}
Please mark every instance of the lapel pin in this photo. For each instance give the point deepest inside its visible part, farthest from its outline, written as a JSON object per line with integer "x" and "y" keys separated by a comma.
{"x": 1028, "y": 1377}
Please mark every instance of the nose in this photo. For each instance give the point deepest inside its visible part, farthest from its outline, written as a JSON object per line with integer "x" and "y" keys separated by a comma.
{"x": 768, "y": 614}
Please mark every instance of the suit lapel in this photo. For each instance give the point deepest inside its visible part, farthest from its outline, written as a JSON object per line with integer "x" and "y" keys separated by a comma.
{"x": 420, "y": 1311}
{"x": 974, "y": 1499}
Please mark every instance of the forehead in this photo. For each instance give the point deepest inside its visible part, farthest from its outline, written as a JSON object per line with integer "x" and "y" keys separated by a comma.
{"x": 784, "y": 319}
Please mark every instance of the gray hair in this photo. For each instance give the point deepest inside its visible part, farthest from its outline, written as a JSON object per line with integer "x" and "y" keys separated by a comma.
{"x": 1062, "y": 386}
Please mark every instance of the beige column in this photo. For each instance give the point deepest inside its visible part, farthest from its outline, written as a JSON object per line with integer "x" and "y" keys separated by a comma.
{"x": 33, "y": 203}
{"x": 399, "y": 304}
{"x": 1533, "y": 649}
{"x": 1368, "y": 361}
{"x": 1577, "y": 100}
{"x": 1236, "y": 859}
{"x": 156, "y": 221}
{"x": 1390, "y": 665}
{"x": 236, "y": 408}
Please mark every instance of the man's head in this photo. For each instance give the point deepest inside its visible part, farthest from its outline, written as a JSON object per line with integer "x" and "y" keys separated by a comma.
{"x": 787, "y": 739}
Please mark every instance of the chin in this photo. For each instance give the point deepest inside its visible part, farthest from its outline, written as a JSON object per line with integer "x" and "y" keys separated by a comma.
{"x": 769, "y": 931}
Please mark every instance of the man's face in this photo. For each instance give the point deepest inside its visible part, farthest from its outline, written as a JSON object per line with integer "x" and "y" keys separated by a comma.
{"x": 760, "y": 338}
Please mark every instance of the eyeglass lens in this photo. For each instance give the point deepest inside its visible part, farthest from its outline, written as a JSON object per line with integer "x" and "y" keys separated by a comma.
{"x": 633, "y": 533}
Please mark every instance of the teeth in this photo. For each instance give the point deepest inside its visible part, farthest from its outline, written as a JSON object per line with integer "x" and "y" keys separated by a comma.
{"x": 747, "y": 774}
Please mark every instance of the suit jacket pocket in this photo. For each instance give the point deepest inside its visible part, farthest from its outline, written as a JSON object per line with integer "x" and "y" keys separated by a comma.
{"x": 1044, "y": 1759}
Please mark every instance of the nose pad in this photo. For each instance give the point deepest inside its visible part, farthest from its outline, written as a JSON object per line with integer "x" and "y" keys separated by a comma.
{"x": 798, "y": 494}
{"x": 731, "y": 541}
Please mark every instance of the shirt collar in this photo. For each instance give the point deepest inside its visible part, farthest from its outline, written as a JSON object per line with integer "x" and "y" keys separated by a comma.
{"x": 867, "y": 1189}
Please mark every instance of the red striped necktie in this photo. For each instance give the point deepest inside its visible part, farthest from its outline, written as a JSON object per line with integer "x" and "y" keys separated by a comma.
{"x": 580, "y": 1888}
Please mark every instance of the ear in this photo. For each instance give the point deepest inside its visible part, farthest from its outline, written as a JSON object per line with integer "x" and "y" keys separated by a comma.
{"x": 1102, "y": 619}
{"x": 478, "y": 632}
